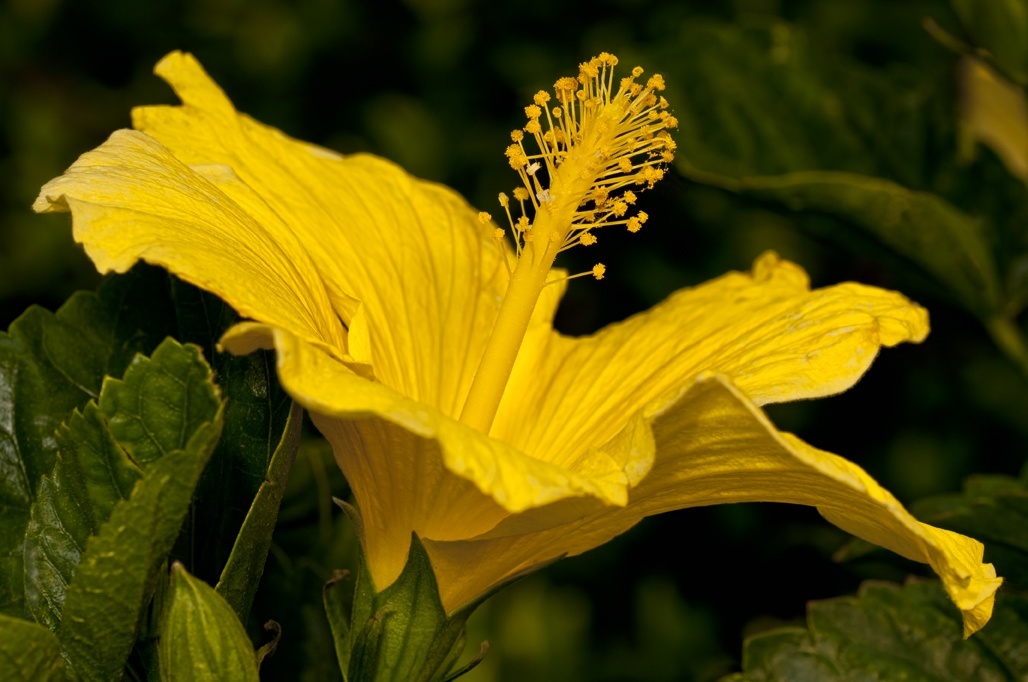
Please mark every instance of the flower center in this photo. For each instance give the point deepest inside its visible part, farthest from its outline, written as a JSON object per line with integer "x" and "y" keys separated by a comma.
{"x": 596, "y": 143}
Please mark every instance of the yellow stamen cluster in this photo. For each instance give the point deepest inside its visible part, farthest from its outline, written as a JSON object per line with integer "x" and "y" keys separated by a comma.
{"x": 596, "y": 135}
{"x": 594, "y": 145}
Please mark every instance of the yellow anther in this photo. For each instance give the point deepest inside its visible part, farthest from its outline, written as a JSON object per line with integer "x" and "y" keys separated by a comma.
{"x": 620, "y": 208}
{"x": 484, "y": 217}
{"x": 634, "y": 224}
{"x": 533, "y": 127}
{"x": 649, "y": 175}
{"x": 557, "y": 112}
{"x": 587, "y": 239}
{"x": 512, "y": 150}
{"x": 504, "y": 200}
{"x": 643, "y": 216}
{"x": 541, "y": 97}
{"x": 518, "y": 161}
{"x": 532, "y": 111}
{"x": 625, "y": 165}
{"x": 498, "y": 234}
{"x": 629, "y": 196}
{"x": 599, "y": 270}
{"x": 521, "y": 194}
{"x": 517, "y": 135}
{"x": 637, "y": 71}
{"x": 656, "y": 82}
{"x": 522, "y": 223}
{"x": 565, "y": 85}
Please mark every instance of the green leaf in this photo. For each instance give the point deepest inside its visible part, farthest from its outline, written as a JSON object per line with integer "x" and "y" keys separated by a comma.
{"x": 117, "y": 574}
{"x": 1001, "y": 28}
{"x": 51, "y": 364}
{"x": 994, "y": 510}
{"x": 102, "y": 452}
{"x": 887, "y": 632}
{"x": 30, "y": 653}
{"x": 946, "y": 242}
{"x": 256, "y": 412}
{"x": 92, "y": 474}
{"x": 245, "y": 566}
{"x": 201, "y": 637}
{"x": 766, "y": 117}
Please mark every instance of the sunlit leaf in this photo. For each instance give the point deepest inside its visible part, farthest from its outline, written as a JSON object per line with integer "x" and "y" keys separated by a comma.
{"x": 51, "y": 364}
{"x": 167, "y": 415}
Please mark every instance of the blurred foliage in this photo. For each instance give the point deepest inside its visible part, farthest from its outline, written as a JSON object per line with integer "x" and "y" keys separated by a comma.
{"x": 778, "y": 100}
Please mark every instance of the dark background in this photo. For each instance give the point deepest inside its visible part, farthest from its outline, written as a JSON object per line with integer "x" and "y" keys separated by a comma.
{"x": 436, "y": 85}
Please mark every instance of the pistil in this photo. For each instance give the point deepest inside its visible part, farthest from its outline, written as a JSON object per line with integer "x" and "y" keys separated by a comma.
{"x": 597, "y": 143}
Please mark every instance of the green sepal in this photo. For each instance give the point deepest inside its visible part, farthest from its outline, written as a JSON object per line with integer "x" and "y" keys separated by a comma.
{"x": 400, "y": 633}
{"x": 245, "y": 565}
{"x": 408, "y": 635}
{"x": 337, "y": 597}
{"x": 892, "y": 633}
{"x": 30, "y": 653}
{"x": 201, "y": 636}
{"x": 423, "y": 643}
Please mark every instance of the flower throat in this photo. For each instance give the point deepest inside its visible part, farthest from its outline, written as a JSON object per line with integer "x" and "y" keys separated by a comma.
{"x": 597, "y": 143}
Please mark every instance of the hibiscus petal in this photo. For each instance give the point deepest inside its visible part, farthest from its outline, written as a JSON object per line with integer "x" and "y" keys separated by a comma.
{"x": 411, "y": 467}
{"x": 427, "y": 275}
{"x": 716, "y": 447}
{"x": 770, "y": 333}
{"x": 132, "y": 200}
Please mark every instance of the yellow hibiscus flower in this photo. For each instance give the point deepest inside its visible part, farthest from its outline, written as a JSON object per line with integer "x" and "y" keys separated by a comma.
{"x": 380, "y": 293}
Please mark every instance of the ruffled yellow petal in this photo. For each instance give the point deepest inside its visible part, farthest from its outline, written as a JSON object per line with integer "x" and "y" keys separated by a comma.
{"x": 770, "y": 333}
{"x": 132, "y": 200}
{"x": 716, "y": 447}
{"x": 410, "y": 255}
{"x": 411, "y": 467}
